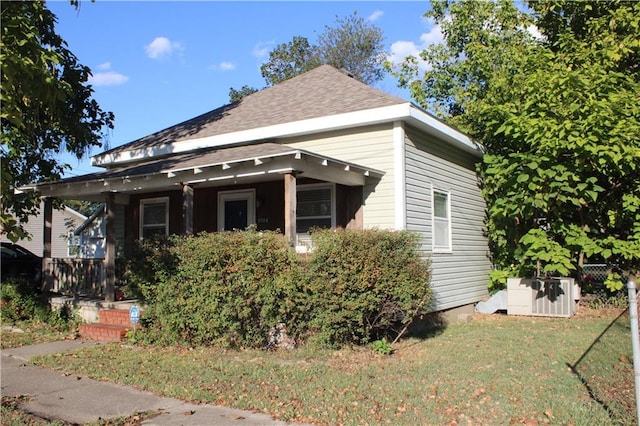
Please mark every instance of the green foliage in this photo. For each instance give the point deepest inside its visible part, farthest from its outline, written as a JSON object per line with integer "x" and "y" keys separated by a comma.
{"x": 382, "y": 346}
{"x": 614, "y": 282}
{"x": 353, "y": 44}
{"x": 21, "y": 303}
{"x": 498, "y": 278}
{"x": 366, "y": 283}
{"x": 237, "y": 95}
{"x": 558, "y": 116}
{"x": 47, "y": 108}
{"x": 149, "y": 262}
{"x": 230, "y": 288}
{"x": 290, "y": 59}
{"x": 222, "y": 288}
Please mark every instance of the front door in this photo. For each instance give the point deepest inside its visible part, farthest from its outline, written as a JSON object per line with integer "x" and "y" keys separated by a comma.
{"x": 236, "y": 210}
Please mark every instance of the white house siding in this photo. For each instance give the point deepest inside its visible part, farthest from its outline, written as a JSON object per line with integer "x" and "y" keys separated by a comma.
{"x": 459, "y": 277}
{"x": 372, "y": 147}
{"x": 59, "y": 231}
{"x": 93, "y": 239}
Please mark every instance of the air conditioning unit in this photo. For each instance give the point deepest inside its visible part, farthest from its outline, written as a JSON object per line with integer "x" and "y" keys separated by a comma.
{"x": 549, "y": 297}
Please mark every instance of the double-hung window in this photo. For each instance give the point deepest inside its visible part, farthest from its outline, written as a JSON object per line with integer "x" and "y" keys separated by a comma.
{"x": 315, "y": 207}
{"x": 154, "y": 217}
{"x": 441, "y": 220}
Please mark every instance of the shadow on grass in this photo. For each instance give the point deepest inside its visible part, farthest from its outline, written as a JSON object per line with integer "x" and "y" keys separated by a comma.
{"x": 430, "y": 325}
{"x": 599, "y": 359}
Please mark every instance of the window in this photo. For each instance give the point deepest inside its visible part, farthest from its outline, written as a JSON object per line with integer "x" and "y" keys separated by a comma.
{"x": 154, "y": 217}
{"x": 315, "y": 207}
{"x": 441, "y": 221}
{"x": 73, "y": 245}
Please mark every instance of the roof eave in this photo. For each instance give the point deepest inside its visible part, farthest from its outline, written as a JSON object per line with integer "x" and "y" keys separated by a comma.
{"x": 296, "y": 128}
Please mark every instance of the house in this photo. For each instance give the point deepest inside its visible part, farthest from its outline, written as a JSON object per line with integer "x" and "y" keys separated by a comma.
{"x": 320, "y": 149}
{"x": 63, "y": 222}
{"x": 90, "y": 235}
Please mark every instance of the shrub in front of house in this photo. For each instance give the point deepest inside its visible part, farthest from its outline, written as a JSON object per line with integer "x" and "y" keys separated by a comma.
{"x": 224, "y": 288}
{"x": 232, "y": 288}
{"x": 366, "y": 284}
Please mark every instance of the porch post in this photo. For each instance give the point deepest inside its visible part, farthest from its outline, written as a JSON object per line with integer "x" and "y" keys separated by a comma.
{"x": 47, "y": 278}
{"x": 290, "y": 202}
{"x": 110, "y": 249}
{"x": 187, "y": 208}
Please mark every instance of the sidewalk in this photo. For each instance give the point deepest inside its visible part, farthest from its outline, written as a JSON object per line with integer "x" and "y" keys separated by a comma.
{"x": 80, "y": 400}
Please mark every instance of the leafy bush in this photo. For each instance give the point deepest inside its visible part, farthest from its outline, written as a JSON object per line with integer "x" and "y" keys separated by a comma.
{"x": 21, "y": 303}
{"x": 149, "y": 262}
{"x": 366, "y": 283}
{"x": 227, "y": 288}
{"x": 230, "y": 288}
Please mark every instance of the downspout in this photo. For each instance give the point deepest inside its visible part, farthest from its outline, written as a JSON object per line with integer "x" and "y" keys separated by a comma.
{"x": 399, "y": 176}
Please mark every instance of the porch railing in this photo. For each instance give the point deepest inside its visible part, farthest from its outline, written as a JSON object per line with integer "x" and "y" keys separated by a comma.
{"x": 77, "y": 277}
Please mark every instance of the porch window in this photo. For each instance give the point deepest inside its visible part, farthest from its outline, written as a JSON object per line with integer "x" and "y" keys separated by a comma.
{"x": 315, "y": 207}
{"x": 73, "y": 245}
{"x": 154, "y": 217}
{"x": 441, "y": 221}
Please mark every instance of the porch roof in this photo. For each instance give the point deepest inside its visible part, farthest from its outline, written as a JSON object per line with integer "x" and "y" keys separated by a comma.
{"x": 237, "y": 164}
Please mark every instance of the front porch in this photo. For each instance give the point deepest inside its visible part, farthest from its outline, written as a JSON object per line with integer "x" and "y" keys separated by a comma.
{"x": 266, "y": 185}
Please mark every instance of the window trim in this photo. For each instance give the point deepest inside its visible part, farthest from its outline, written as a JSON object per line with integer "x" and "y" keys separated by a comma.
{"x": 312, "y": 186}
{"x": 157, "y": 200}
{"x": 434, "y": 247}
{"x": 233, "y": 195}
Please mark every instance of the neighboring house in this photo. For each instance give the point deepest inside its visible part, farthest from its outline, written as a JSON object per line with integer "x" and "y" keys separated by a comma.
{"x": 320, "y": 149}
{"x": 64, "y": 221}
{"x": 90, "y": 236}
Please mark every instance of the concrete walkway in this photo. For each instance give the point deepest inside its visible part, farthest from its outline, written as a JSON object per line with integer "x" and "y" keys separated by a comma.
{"x": 80, "y": 400}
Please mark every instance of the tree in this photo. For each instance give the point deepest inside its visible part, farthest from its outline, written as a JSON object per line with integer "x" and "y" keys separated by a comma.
{"x": 353, "y": 45}
{"x": 559, "y": 119}
{"x": 47, "y": 108}
{"x": 237, "y": 95}
{"x": 290, "y": 59}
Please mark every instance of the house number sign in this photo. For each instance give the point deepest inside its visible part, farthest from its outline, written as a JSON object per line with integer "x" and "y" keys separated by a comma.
{"x": 134, "y": 314}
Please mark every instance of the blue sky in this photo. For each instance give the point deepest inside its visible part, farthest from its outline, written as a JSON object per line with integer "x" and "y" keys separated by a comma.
{"x": 157, "y": 63}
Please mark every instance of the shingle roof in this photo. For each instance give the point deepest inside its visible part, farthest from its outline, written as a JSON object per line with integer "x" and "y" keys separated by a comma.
{"x": 320, "y": 92}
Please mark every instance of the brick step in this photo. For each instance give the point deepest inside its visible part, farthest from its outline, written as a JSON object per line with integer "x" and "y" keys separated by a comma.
{"x": 115, "y": 317}
{"x": 103, "y": 332}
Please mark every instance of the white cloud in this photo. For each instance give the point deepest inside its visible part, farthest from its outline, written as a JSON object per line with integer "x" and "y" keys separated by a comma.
{"x": 104, "y": 66}
{"x": 227, "y": 66}
{"x": 262, "y": 49}
{"x": 223, "y": 66}
{"x": 107, "y": 78}
{"x": 401, "y": 49}
{"x": 161, "y": 47}
{"x": 375, "y": 16}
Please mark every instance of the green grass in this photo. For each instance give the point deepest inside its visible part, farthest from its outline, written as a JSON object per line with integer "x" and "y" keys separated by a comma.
{"x": 30, "y": 333}
{"x": 494, "y": 370}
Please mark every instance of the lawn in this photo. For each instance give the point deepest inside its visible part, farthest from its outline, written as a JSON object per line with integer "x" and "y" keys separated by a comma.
{"x": 494, "y": 370}
{"x": 24, "y": 333}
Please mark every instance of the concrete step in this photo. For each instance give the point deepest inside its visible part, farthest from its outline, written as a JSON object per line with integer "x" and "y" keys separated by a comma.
{"x": 103, "y": 332}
